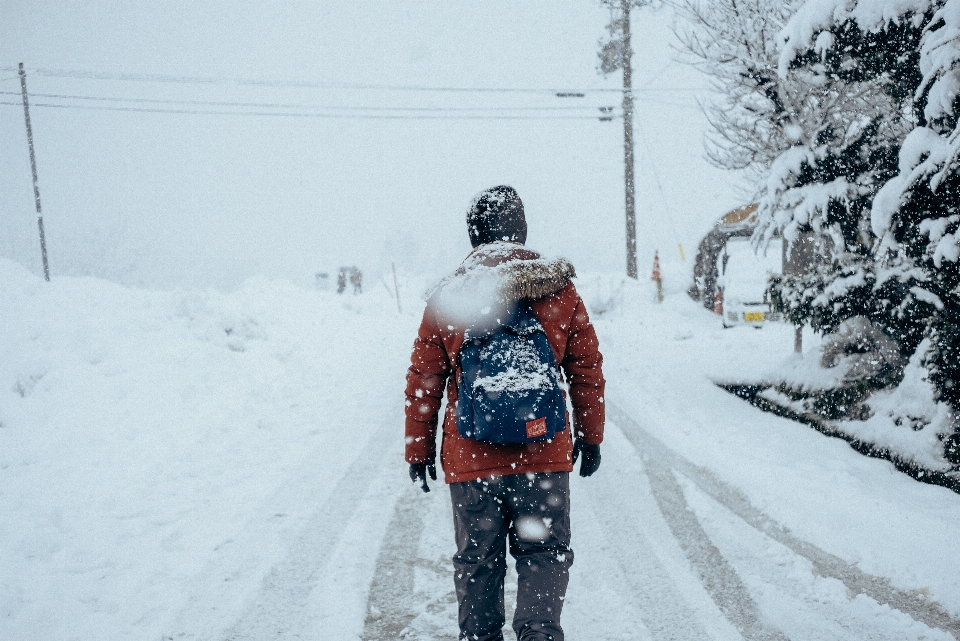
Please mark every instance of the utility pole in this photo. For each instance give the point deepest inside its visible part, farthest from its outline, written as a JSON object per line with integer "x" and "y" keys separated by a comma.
{"x": 626, "y": 54}
{"x": 33, "y": 168}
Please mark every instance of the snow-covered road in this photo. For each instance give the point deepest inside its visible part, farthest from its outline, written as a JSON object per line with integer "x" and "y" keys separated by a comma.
{"x": 665, "y": 550}
{"x": 178, "y": 465}
{"x": 679, "y": 555}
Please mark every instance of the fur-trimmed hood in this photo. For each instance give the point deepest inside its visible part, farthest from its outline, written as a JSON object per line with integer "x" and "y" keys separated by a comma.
{"x": 485, "y": 289}
{"x": 518, "y": 272}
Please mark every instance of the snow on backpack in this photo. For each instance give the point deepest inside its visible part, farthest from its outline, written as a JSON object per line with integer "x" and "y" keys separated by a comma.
{"x": 509, "y": 387}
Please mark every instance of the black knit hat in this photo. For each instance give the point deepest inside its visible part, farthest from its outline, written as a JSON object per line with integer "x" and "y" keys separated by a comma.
{"x": 496, "y": 214}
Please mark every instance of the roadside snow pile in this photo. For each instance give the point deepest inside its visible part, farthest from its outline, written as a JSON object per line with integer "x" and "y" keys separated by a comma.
{"x": 899, "y": 420}
{"x": 608, "y": 295}
{"x": 142, "y": 433}
{"x": 602, "y": 293}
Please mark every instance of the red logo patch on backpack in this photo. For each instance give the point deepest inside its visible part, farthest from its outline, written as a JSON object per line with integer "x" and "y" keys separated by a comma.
{"x": 537, "y": 427}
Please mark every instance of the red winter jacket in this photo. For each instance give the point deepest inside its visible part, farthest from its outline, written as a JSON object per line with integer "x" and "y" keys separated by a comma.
{"x": 492, "y": 272}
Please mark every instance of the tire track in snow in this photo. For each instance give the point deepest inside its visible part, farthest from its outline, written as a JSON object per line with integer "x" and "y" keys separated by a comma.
{"x": 662, "y": 461}
{"x": 717, "y": 575}
{"x": 284, "y": 593}
{"x": 392, "y": 603}
{"x": 397, "y": 601}
{"x": 652, "y": 590}
{"x": 412, "y": 596}
{"x": 406, "y": 586}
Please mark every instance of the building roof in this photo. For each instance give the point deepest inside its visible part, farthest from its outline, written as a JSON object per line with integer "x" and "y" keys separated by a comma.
{"x": 742, "y": 217}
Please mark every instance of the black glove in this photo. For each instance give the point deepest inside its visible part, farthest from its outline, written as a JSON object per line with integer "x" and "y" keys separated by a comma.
{"x": 418, "y": 474}
{"x": 591, "y": 457}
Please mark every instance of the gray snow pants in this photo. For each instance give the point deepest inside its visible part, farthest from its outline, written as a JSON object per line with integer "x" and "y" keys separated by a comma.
{"x": 532, "y": 511}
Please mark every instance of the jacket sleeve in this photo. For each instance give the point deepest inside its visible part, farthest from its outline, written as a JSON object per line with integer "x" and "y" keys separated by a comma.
{"x": 426, "y": 380}
{"x": 583, "y": 367}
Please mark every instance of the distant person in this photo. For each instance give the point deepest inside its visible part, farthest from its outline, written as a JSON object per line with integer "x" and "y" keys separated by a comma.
{"x": 341, "y": 280}
{"x": 356, "y": 279}
{"x": 499, "y": 330}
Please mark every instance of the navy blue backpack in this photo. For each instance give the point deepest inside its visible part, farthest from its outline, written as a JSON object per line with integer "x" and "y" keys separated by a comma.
{"x": 509, "y": 387}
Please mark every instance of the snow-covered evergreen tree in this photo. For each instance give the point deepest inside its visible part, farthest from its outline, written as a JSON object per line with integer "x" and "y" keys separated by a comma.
{"x": 917, "y": 213}
{"x": 861, "y": 84}
{"x": 820, "y": 134}
{"x": 910, "y": 48}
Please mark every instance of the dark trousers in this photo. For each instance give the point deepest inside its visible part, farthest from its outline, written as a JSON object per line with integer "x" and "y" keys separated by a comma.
{"x": 532, "y": 512}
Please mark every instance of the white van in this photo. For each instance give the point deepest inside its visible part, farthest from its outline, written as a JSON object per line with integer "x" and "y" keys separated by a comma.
{"x": 744, "y": 277}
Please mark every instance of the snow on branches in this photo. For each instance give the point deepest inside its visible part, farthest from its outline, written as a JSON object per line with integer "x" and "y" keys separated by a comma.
{"x": 733, "y": 43}
{"x": 849, "y": 113}
{"x": 909, "y": 51}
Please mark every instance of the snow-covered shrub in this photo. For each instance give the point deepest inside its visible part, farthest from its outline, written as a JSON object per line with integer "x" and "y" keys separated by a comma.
{"x": 903, "y": 422}
{"x": 864, "y": 352}
{"x": 856, "y": 360}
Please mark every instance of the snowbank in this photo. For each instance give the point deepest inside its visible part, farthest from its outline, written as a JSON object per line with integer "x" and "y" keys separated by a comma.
{"x": 608, "y": 294}
{"x": 163, "y": 452}
{"x": 903, "y": 422}
{"x": 142, "y": 433}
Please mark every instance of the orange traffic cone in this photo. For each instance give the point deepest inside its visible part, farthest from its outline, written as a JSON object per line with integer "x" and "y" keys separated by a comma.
{"x": 656, "y": 276}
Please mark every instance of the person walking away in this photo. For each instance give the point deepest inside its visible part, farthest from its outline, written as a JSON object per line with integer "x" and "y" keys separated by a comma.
{"x": 508, "y": 338}
{"x": 356, "y": 279}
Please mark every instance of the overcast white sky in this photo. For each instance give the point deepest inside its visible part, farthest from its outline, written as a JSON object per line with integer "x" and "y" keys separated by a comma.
{"x": 201, "y": 199}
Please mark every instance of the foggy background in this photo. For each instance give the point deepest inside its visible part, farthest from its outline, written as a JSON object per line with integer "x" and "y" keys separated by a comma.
{"x": 375, "y": 157}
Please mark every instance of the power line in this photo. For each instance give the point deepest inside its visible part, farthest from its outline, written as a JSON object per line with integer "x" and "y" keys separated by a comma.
{"x": 339, "y": 116}
{"x": 302, "y": 110}
{"x": 306, "y": 84}
{"x": 267, "y": 105}
{"x": 292, "y": 105}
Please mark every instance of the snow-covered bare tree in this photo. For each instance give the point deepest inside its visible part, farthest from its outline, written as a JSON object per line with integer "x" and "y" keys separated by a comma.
{"x": 611, "y": 51}
{"x": 734, "y": 43}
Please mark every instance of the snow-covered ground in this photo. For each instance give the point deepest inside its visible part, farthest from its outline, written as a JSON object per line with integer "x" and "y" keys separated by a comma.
{"x": 192, "y": 464}
{"x": 199, "y": 465}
